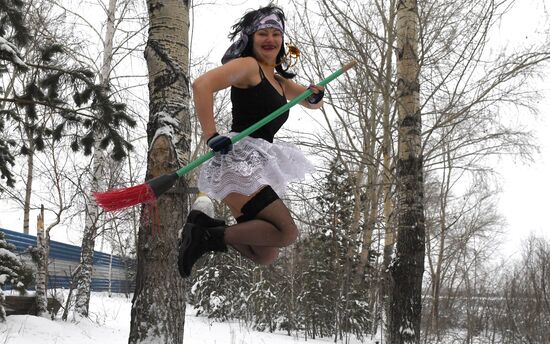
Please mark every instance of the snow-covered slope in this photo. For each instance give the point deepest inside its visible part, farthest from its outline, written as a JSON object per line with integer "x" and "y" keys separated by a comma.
{"x": 109, "y": 323}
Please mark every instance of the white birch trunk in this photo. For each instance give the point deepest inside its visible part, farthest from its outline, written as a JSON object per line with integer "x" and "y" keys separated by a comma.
{"x": 158, "y": 306}
{"x": 30, "y": 176}
{"x": 388, "y": 176}
{"x": 407, "y": 266}
{"x": 92, "y": 221}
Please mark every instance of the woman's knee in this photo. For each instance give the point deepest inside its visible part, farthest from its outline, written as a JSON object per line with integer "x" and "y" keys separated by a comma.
{"x": 267, "y": 206}
{"x": 266, "y": 256}
{"x": 289, "y": 234}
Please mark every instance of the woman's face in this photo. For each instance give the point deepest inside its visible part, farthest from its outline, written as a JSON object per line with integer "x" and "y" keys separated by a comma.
{"x": 267, "y": 43}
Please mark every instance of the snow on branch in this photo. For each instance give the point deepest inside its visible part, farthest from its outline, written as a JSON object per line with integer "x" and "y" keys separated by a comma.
{"x": 8, "y": 51}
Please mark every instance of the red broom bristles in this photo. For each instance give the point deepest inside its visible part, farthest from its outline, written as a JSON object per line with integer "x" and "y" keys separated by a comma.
{"x": 118, "y": 199}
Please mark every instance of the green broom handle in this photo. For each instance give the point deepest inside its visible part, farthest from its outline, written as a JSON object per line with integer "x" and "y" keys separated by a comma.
{"x": 197, "y": 162}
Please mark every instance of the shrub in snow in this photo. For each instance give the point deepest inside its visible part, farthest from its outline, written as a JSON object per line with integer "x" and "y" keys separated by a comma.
{"x": 219, "y": 287}
{"x": 11, "y": 271}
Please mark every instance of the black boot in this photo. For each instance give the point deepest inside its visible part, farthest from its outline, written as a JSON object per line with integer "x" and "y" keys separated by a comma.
{"x": 199, "y": 218}
{"x": 196, "y": 241}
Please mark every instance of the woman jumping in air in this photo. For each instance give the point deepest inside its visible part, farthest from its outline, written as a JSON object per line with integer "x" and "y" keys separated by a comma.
{"x": 250, "y": 175}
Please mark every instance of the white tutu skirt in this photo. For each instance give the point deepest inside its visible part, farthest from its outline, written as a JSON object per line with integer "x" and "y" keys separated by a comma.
{"x": 251, "y": 164}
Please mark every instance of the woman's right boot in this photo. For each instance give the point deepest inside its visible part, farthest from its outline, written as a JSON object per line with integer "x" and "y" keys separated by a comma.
{"x": 201, "y": 234}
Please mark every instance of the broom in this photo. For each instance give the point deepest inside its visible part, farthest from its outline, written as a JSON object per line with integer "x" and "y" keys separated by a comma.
{"x": 149, "y": 191}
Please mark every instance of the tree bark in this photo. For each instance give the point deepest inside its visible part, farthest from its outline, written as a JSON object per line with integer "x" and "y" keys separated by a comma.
{"x": 387, "y": 144}
{"x": 42, "y": 266}
{"x": 158, "y": 306}
{"x": 407, "y": 267}
{"x": 98, "y": 173}
{"x": 30, "y": 176}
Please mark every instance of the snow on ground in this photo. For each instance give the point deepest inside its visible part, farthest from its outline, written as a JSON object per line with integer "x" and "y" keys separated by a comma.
{"x": 109, "y": 323}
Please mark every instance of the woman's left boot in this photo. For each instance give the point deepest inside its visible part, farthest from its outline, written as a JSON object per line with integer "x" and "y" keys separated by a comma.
{"x": 199, "y": 218}
{"x": 196, "y": 241}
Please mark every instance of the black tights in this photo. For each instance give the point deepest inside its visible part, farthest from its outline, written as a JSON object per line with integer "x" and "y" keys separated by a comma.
{"x": 261, "y": 237}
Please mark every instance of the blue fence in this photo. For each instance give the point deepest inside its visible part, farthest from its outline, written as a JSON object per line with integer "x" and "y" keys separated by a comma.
{"x": 109, "y": 272}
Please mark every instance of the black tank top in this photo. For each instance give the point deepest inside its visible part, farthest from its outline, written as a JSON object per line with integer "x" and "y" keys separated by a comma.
{"x": 254, "y": 103}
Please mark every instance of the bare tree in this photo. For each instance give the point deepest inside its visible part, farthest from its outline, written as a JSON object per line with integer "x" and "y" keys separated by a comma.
{"x": 359, "y": 121}
{"x": 52, "y": 168}
{"x": 527, "y": 295}
{"x": 466, "y": 125}
{"x": 99, "y": 165}
{"x": 465, "y": 90}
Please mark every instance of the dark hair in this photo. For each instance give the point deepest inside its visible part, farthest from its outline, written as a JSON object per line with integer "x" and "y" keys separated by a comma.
{"x": 248, "y": 20}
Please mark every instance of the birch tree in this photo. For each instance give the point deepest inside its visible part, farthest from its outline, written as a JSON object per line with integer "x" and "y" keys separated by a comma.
{"x": 158, "y": 306}
{"x": 407, "y": 266}
{"x": 99, "y": 161}
{"x": 54, "y": 167}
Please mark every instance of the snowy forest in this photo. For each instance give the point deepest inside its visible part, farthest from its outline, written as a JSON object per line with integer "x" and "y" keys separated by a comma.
{"x": 400, "y": 231}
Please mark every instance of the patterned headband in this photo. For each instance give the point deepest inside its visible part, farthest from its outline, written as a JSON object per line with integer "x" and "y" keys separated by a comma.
{"x": 270, "y": 21}
{"x": 237, "y": 48}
